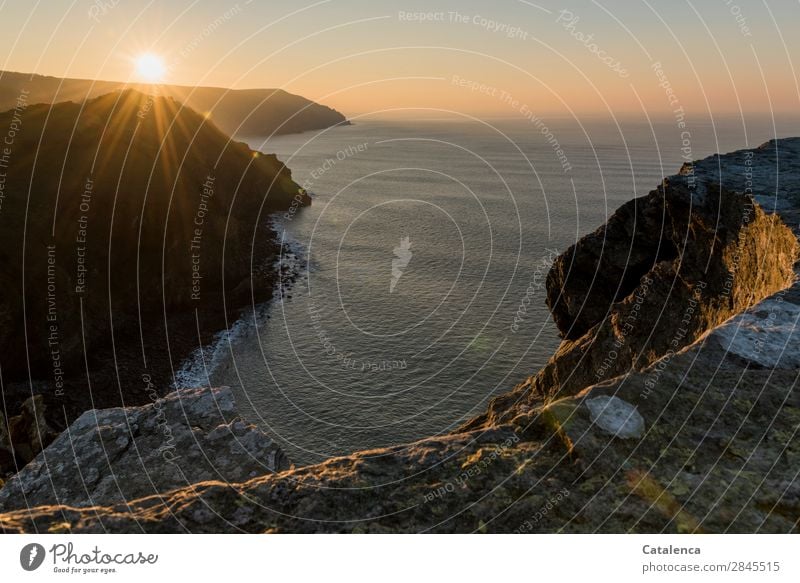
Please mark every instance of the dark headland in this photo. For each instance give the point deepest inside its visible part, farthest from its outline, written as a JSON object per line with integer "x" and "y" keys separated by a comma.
{"x": 132, "y": 229}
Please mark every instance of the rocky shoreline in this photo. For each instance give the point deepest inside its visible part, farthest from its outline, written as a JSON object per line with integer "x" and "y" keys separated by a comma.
{"x": 689, "y": 427}
{"x": 140, "y": 269}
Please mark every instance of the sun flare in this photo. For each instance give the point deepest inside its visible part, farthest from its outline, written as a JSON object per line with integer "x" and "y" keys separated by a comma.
{"x": 150, "y": 68}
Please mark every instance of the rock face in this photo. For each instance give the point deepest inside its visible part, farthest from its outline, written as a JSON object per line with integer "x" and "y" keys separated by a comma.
{"x": 115, "y": 455}
{"x": 120, "y": 215}
{"x": 701, "y": 439}
{"x": 139, "y": 179}
{"x": 661, "y": 272}
{"x": 693, "y": 237}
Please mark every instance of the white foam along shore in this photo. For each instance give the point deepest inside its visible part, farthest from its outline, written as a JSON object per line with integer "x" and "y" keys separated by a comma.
{"x": 198, "y": 368}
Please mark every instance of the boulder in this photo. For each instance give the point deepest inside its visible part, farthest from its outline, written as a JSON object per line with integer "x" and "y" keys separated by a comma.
{"x": 616, "y": 417}
{"x": 685, "y": 240}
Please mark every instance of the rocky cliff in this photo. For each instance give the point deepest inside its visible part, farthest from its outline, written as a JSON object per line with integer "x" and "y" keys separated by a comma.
{"x": 124, "y": 220}
{"x": 662, "y": 271}
{"x": 691, "y": 428}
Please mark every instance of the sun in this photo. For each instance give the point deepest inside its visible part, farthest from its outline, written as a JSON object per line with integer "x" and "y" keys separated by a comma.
{"x": 150, "y": 68}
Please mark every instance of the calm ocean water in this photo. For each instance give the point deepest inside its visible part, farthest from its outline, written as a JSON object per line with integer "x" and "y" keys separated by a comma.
{"x": 426, "y": 247}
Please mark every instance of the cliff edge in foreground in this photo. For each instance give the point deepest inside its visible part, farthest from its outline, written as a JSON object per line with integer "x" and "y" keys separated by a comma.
{"x": 127, "y": 223}
{"x": 669, "y": 407}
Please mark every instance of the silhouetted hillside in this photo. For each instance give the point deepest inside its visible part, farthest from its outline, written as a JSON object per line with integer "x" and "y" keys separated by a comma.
{"x": 115, "y": 215}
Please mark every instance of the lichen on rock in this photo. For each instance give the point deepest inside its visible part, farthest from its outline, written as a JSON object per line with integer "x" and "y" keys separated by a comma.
{"x": 114, "y": 455}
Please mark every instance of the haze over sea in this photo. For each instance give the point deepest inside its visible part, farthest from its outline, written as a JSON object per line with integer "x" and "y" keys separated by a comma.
{"x": 347, "y": 360}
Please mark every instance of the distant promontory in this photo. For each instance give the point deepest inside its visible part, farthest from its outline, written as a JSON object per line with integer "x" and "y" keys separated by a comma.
{"x": 242, "y": 112}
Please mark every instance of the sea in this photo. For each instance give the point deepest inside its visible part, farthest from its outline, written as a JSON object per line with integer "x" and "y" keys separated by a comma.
{"x": 421, "y": 266}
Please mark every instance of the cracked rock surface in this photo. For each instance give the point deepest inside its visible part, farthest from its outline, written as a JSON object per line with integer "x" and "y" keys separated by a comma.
{"x": 114, "y": 455}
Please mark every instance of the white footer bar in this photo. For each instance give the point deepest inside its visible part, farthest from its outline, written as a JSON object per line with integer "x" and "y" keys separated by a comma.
{"x": 389, "y": 558}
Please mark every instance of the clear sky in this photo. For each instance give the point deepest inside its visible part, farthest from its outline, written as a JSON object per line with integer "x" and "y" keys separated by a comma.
{"x": 495, "y": 58}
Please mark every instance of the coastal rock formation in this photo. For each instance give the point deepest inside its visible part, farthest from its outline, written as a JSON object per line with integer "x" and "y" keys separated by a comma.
{"x": 688, "y": 232}
{"x": 661, "y": 272}
{"x": 123, "y": 210}
{"x": 248, "y": 112}
{"x": 701, "y": 439}
{"x": 114, "y": 455}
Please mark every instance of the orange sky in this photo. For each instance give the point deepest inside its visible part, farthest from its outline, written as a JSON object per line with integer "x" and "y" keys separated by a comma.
{"x": 506, "y": 58}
